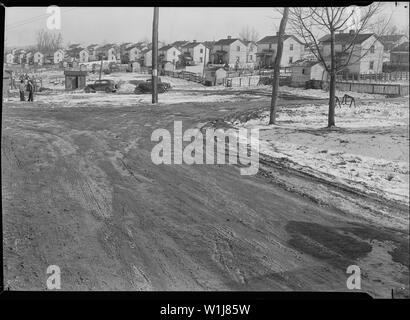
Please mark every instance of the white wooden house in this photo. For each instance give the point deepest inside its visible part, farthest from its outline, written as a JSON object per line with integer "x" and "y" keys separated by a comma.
{"x": 83, "y": 56}
{"x": 92, "y": 52}
{"x": 195, "y": 53}
{"x": 367, "y": 52}
{"x": 10, "y": 58}
{"x": 29, "y": 57}
{"x": 38, "y": 58}
{"x": 251, "y": 51}
{"x": 229, "y": 51}
{"x": 267, "y": 48}
{"x": 21, "y": 56}
{"x": 111, "y": 54}
{"x": 133, "y": 53}
{"x": 169, "y": 53}
{"x": 147, "y": 58}
{"x": 58, "y": 56}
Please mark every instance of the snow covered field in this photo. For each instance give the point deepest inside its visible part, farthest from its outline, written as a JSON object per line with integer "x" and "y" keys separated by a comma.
{"x": 368, "y": 151}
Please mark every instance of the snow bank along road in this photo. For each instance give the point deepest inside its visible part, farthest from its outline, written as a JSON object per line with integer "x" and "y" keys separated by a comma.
{"x": 80, "y": 191}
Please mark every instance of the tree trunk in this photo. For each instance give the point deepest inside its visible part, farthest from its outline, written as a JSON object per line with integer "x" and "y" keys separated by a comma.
{"x": 332, "y": 85}
{"x": 276, "y": 71}
{"x": 155, "y": 56}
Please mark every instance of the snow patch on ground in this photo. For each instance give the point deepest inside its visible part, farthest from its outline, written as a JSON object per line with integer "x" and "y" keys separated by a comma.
{"x": 368, "y": 151}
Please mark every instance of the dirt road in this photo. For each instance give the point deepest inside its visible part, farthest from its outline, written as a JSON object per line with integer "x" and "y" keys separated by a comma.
{"x": 80, "y": 191}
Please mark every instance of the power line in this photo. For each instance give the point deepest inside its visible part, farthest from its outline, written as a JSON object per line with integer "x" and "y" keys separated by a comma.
{"x": 31, "y": 20}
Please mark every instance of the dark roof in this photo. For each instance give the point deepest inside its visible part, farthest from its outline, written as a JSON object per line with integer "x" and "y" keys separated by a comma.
{"x": 75, "y": 73}
{"x": 106, "y": 47}
{"x": 226, "y": 42}
{"x": 129, "y": 47}
{"x": 167, "y": 47}
{"x": 208, "y": 44}
{"x": 179, "y": 43}
{"x": 191, "y": 45}
{"x": 391, "y": 37}
{"x": 304, "y": 63}
{"x": 274, "y": 39}
{"x": 347, "y": 38}
{"x": 403, "y": 47}
{"x": 74, "y": 52}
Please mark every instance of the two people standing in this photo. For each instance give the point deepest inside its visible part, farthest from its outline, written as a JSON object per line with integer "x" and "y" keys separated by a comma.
{"x": 29, "y": 87}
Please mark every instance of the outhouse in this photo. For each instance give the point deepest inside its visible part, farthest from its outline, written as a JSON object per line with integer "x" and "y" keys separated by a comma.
{"x": 215, "y": 75}
{"x": 75, "y": 79}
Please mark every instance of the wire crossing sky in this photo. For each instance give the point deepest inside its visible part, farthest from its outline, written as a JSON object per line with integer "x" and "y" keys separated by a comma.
{"x": 123, "y": 24}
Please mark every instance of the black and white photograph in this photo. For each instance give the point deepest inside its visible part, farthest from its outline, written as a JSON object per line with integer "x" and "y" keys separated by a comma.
{"x": 206, "y": 149}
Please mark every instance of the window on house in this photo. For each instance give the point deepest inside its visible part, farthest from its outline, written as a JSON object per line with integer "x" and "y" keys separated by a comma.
{"x": 371, "y": 65}
{"x": 238, "y": 48}
{"x": 250, "y": 57}
{"x": 290, "y": 59}
{"x": 201, "y": 50}
{"x": 174, "y": 53}
{"x": 372, "y": 49}
{"x": 303, "y": 71}
{"x": 200, "y": 59}
{"x": 291, "y": 47}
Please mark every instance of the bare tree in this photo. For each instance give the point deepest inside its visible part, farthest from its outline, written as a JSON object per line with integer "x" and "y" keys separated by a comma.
{"x": 309, "y": 22}
{"x": 48, "y": 41}
{"x": 249, "y": 34}
{"x": 276, "y": 71}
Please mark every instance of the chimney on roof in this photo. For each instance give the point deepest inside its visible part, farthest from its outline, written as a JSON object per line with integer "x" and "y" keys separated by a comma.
{"x": 351, "y": 31}
{"x": 229, "y": 37}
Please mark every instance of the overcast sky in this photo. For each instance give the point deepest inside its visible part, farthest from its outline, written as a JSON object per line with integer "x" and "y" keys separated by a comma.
{"x": 99, "y": 24}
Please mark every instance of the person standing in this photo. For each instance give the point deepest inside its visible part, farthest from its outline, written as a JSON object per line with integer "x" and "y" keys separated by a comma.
{"x": 30, "y": 87}
{"x": 22, "y": 88}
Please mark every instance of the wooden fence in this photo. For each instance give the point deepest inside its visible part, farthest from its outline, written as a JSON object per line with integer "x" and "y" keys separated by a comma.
{"x": 377, "y": 77}
{"x": 241, "y": 81}
{"x": 190, "y": 76}
{"x": 374, "y": 88}
{"x": 284, "y": 80}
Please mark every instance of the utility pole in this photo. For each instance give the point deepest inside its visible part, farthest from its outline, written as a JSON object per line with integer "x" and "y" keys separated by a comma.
{"x": 155, "y": 56}
{"x": 101, "y": 66}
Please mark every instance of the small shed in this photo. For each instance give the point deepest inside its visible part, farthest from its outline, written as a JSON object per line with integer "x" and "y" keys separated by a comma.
{"x": 75, "y": 79}
{"x": 215, "y": 75}
{"x": 306, "y": 70}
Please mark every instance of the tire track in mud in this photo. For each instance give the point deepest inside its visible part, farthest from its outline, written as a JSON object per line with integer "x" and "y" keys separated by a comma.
{"x": 167, "y": 227}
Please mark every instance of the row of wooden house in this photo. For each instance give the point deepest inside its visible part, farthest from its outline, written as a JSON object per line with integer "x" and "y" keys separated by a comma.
{"x": 369, "y": 53}
{"x": 75, "y": 52}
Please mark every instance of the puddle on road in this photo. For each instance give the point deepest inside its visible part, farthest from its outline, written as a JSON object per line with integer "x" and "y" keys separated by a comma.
{"x": 326, "y": 243}
{"x": 341, "y": 247}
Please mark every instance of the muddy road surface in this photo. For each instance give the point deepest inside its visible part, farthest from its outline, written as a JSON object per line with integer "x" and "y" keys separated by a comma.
{"x": 80, "y": 191}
